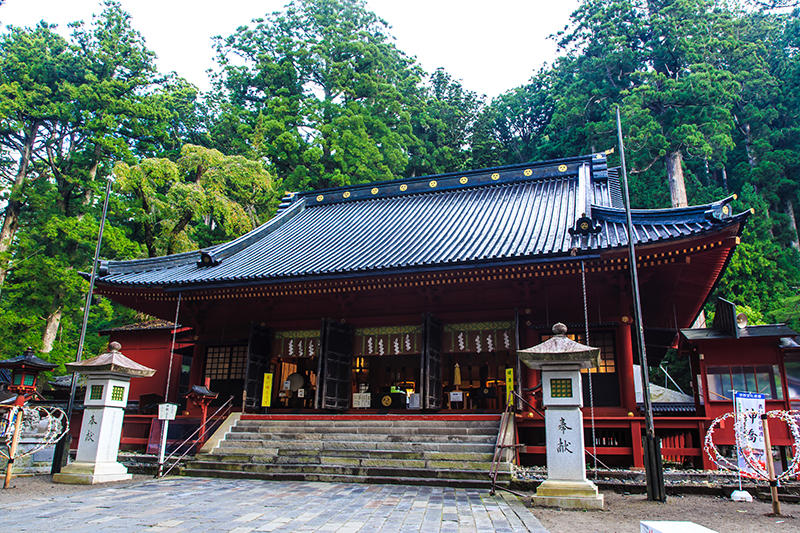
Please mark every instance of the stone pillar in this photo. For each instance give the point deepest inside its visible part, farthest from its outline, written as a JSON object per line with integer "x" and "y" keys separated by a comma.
{"x": 108, "y": 378}
{"x": 566, "y": 484}
{"x": 101, "y": 430}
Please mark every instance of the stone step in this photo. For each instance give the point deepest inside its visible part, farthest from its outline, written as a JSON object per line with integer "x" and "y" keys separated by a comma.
{"x": 345, "y": 470}
{"x": 372, "y": 430}
{"x": 339, "y": 478}
{"x": 305, "y": 422}
{"x": 374, "y": 454}
{"x": 337, "y": 460}
{"x": 447, "y": 447}
{"x": 374, "y": 437}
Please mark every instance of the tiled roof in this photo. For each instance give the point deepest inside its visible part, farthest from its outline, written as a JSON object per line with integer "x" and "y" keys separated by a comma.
{"x": 152, "y": 324}
{"x": 530, "y": 212}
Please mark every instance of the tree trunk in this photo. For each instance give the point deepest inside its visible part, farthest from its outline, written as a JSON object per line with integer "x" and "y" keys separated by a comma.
{"x": 677, "y": 186}
{"x": 724, "y": 178}
{"x": 14, "y": 206}
{"x": 51, "y": 326}
{"x": 793, "y": 223}
{"x": 748, "y": 146}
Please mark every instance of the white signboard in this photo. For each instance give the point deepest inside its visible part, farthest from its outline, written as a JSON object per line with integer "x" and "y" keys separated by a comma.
{"x": 749, "y": 431}
{"x": 361, "y": 400}
{"x": 167, "y": 411}
{"x": 670, "y": 526}
{"x": 456, "y": 396}
{"x": 413, "y": 401}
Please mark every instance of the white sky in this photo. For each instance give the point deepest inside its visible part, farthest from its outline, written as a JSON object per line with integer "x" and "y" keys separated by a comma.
{"x": 492, "y": 46}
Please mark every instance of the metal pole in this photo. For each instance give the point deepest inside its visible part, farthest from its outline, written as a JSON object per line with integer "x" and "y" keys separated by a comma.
{"x": 62, "y": 448}
{"x": 172, "y": 347}
{"x": 162, "y": 447}
{"x": 12, "y": 451}
{"x": 652, "y": 448}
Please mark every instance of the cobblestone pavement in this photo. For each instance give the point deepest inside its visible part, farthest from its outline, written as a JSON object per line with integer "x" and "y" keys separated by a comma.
{"x": 241, "y": 506}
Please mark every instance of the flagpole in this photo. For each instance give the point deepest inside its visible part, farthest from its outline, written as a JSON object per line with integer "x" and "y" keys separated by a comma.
{"x": 654, "y": 468}
{"x": 62, "y": 447}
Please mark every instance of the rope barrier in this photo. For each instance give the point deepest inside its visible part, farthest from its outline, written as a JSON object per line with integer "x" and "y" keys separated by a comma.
{"x": 591, "y": 391}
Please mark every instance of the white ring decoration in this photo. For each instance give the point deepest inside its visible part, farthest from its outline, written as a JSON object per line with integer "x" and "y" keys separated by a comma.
{"x": 57, "y": 427}
{"x": 747, "y": 451}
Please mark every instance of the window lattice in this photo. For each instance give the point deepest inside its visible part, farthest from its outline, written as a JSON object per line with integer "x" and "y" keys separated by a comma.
{"x": 226, "y": 362}
{"x": 96, "y": 392}
{"x": 561, "y": 388}
{"x": 117, "y": 393}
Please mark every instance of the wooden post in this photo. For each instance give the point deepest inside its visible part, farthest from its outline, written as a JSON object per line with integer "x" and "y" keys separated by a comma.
{"x": 773, "y": 484}
{"x": 12, "y": 451}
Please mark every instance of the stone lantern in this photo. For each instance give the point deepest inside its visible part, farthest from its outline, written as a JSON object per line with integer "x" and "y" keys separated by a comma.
{"x": 107, "y": 380}
{"x": 561, "y": 359}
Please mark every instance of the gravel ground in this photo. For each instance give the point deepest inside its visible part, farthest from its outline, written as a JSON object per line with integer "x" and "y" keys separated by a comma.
{"x": 26, "y": 487}
{"x": 623, "y": 513}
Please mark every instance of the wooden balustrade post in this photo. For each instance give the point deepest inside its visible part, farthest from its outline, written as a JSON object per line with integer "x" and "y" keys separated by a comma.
{"x": 773, "y": 483}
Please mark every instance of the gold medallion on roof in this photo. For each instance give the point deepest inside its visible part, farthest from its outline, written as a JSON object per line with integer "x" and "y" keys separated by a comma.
{"x": 374, "y": 190}
{"x": 320, "y": 197}
{"x": 527, "y": 172}
{"x": 346, "y": 194}
{"x": 432, "y": 184}
{"x": 562, "y": 168}
{"x": 403, "y": 187}
{"x": 495, "y": 176}
{"x": 463, "y": 180}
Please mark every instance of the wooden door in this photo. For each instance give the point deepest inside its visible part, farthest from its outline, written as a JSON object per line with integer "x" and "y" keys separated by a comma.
{"x": 432, "y": 363}
{"x": 258, "y": 355}
{"x": 336, "y": 362}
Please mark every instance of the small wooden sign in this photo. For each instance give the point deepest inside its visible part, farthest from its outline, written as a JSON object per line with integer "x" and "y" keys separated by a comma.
{"x": 266, "y": 392}
{"x": 456, "y": 396}
{"x": 167, "y": 411}
{"x": 362, "y": 400}
{"x": 509, "y": 386}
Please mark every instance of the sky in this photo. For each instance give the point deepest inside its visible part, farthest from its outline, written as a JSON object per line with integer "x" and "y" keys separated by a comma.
{"x": 490, "y": 45}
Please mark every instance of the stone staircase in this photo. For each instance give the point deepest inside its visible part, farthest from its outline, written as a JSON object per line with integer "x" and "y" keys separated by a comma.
{"x": 450, "y": 450}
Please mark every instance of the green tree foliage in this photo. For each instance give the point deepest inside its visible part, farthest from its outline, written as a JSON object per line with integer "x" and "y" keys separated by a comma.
{"x": 68, "y": 109}
{"x": 318, "y": 95}
{"x": 201, "y": 199}
{"x": 320, "y": 92}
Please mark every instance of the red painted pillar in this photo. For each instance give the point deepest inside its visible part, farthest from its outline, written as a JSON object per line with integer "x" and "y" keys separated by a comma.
{"x": 625, "y": 366}
{"x": 532, "y": 379}
{"x": 636, "y": 444}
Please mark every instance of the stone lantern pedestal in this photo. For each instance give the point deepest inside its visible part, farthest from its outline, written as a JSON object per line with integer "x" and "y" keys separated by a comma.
{"x": 107, "y": 381}
{"x": 561, "y": 359}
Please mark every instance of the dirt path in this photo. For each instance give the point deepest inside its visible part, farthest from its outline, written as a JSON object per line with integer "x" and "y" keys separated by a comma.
{"x": 26, "y": 487}
{"x": 623, "y": 513}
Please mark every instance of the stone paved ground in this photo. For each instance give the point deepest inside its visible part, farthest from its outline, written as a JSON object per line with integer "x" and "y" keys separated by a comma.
{"x": 241, "y": 506}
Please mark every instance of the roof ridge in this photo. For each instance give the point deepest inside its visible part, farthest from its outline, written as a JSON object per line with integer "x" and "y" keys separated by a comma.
{"x": 530, "y": 171}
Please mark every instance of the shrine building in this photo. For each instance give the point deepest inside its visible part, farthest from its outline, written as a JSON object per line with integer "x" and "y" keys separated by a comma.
{"x": 389, "y": 297}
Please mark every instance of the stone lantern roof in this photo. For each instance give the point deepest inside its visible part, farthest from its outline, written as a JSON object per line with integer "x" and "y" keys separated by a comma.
{"x": 113, "y": 362}
{"x": 559, "y": 349}
{"x": 27, "y": 360}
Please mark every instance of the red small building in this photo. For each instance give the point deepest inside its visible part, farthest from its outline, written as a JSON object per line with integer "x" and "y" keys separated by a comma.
{"x": 732, "y": 356}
